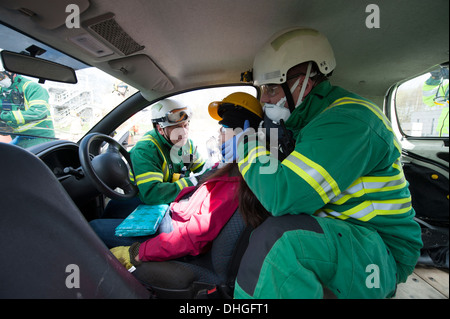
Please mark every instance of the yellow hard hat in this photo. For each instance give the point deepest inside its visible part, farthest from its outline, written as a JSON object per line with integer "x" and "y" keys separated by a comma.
{"x": 242, "y": 99}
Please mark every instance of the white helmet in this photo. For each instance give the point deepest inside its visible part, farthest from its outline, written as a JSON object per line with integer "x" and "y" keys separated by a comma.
{"x": 289, "y": 48}
{"x": 169, "y": 112}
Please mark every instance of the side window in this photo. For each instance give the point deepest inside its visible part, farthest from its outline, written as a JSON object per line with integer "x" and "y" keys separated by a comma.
{"x": 202, "y": 127}
{"x": 422, "y": 105}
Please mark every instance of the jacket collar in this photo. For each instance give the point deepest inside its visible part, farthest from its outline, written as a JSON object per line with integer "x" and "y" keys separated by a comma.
{"x": 162, "y": 140}
{"x": 311, "y": 106}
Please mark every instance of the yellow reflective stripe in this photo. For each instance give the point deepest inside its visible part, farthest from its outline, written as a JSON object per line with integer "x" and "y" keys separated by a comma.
{"x": 165, "y": 170}
{"x": 326, "y": 212}
{"x": 39, "y": 102}
{"x": 197, "y": 163}
{"x": 149, "y": 177}
{"x": 31, "y": 125}
{"x": 429, "y": 90}
{"x": 255, "y": 153}
{"x": 369, "y": 209}
{"x": 26, "y": 104}
{"x": 372, "y": 107}
{"x": 314, "y": 174}
{"x": 130, "y": 175}
{"x": 311, "y": 181}
{"x": 244, "y": 165}
{"x": 182, "y": 183}
{"x": 26, "y": 85}
{"x": 18, "y": 117}
{"x": 164, "y": 165}
{"x": 372, "y": 184}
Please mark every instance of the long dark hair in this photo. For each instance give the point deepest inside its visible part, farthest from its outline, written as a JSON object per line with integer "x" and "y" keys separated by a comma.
{"x": 252, "y": 211}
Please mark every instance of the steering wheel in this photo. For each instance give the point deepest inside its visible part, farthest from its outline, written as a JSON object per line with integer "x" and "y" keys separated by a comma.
{"x": 108, "y": 170}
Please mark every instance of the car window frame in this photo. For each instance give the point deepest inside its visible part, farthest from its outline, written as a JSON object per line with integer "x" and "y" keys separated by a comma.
{"x": 390, "y": 110}
{"x": 132, "y": 110}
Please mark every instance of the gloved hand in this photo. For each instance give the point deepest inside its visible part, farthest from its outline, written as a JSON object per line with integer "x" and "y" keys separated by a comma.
{"x": 229, "y": 148}
{"x": 122, "y": 253}
{"x": 176, "y": 176}
{"x": 127, "y": 255}
{"x": 193, "y": 179}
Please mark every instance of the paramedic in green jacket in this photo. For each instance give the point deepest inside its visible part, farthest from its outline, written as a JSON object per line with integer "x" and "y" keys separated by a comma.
{"x": 24, "y": 108}
{"x": 165, "y": 160}
{"x": 435, "y": 94}
{"x": 341, "y": 209}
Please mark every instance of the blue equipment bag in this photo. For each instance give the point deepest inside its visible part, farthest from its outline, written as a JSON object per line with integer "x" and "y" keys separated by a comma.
{"x": 143, "y": 221}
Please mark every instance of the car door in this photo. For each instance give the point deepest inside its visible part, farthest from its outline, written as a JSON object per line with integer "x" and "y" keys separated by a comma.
{"x": 419, "y": 111}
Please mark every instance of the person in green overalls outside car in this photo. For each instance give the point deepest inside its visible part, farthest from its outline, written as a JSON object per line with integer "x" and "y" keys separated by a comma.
{"x": 24, "y": 110}
{"x": 435, "y": 94}
{"x": 341, "y": 215}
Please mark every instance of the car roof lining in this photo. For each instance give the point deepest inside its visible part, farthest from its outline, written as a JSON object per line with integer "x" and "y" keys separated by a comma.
{"x": 212, "y": 42}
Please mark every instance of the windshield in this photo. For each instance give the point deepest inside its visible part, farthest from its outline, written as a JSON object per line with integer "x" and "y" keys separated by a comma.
{"x": 32, "y": 113}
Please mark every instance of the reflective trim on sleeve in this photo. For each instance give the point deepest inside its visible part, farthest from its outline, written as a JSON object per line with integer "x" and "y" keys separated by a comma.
{"x": 314, "y": 174}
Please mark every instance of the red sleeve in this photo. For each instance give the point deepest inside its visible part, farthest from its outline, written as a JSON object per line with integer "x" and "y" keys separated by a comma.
{"x": 209, "y": 208}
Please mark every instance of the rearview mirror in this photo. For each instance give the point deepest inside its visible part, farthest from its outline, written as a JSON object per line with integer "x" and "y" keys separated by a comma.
{"x": 37, "y": 67}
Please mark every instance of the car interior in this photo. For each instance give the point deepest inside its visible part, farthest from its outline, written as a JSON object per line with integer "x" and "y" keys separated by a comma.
{"x": 159, "y": 49}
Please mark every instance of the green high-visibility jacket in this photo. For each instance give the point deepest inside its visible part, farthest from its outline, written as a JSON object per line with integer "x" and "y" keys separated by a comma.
{"x": 432, "y": 89}
{"x": 24, "y": 107}
{"x": 346, "y": 165}
{"x": 157, "y": 166}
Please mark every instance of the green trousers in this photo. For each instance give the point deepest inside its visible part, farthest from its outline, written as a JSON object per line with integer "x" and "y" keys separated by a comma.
{"x": 296, "y": 256}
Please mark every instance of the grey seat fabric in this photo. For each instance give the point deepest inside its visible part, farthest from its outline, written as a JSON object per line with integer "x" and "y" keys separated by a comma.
{"x": 213, "y": 266}
{"x": 49, "y": 249}
{"x": 186, "y": 277}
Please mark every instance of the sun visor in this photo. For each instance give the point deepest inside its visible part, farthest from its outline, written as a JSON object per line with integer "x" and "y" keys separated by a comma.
{"x": 140, "y": 69}
{"x": 49, "y": 14}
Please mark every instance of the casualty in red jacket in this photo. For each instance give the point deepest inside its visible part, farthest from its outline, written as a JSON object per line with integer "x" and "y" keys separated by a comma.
{"x": 197, "y": 220}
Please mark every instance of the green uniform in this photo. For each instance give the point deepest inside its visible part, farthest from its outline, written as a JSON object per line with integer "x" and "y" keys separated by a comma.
{"x": 345, "y": 175}
{"x": 24, "y": 107}
{"x": 157, "y": 166}
{"x": 432, "y": 89}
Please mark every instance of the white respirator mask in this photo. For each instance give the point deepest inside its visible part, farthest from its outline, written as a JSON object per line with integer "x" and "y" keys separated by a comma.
{"x": 279, "y": 111}
{"x": 5, "y": 83}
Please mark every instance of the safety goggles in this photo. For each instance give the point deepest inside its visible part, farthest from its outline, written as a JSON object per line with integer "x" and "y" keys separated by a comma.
{"x": 175, "y": 116}
{"x": 272, "y": 90}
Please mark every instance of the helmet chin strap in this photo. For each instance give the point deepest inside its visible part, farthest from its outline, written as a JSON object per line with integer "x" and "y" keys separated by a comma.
{"x": 305, "y": 82}
{"x": 288, "y": 95}
{"x": 163, "y": 130}
{"x": 287, "y": 92}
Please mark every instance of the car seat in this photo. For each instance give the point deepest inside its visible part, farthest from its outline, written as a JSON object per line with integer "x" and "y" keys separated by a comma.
{"x": 210, "y": 275}
{"x": 49, "y": 249}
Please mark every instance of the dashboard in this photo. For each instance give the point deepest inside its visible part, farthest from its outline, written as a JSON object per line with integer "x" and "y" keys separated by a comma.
{"x": 62, "y": 158}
